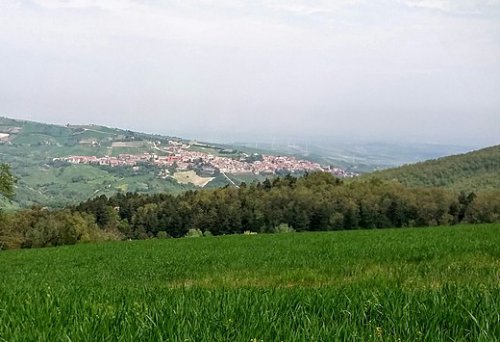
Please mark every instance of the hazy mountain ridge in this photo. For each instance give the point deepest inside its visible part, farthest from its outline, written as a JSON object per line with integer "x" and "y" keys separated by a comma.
{"x": 473, "y": 171}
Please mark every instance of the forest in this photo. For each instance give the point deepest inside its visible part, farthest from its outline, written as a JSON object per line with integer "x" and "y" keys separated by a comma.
{"x": 476, "y": 170}
{"x": 313, "y": 202}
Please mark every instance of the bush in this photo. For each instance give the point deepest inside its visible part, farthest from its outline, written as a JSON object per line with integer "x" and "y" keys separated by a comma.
{"x": 43, "y": 228}
{"x": 162, "y": 235}
{"x": 194, "y": 232}
{"x": 283, "y": 228}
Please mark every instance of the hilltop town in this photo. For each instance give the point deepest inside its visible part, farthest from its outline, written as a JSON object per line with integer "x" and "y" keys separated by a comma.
{"x": 181, "y": 157}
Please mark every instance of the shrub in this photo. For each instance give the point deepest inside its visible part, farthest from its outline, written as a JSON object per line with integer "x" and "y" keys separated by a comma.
{"x": 283, "y": 228}
{"x": 194, "y": 232}
{"x": 162, "y": 235}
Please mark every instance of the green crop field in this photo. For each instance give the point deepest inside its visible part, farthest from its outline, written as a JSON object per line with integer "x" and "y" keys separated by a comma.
{"x": 433, "y": 284}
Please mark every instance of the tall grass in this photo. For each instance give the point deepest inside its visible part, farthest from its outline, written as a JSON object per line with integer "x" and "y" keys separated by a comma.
{"x": 438, "y": 284}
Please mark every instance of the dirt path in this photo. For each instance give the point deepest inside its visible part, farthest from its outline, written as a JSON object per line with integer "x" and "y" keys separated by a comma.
{"x": 229, "y": 179}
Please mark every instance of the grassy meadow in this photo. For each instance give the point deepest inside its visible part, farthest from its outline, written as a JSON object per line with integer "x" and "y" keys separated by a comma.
{"x": 432, "y": 284}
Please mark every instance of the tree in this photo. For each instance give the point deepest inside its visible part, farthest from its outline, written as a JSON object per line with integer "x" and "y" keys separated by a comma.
{"x": 7, "y": 181}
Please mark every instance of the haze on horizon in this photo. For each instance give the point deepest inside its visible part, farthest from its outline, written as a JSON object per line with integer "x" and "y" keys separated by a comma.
{"x": 226, "y": 70}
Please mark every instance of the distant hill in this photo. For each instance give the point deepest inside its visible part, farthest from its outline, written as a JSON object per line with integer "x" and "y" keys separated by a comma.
{"x": 38, "y": 154}
{"x": 33, "y": 150}
{"x": 42, "y": 157}
{"x": 473, "y": 171}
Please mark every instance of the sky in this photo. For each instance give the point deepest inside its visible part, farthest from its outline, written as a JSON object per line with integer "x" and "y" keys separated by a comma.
{"x": 232, "y": 70}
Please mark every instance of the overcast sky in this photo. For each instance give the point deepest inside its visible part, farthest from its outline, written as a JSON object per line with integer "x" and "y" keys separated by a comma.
{"x": 407, "y": 70}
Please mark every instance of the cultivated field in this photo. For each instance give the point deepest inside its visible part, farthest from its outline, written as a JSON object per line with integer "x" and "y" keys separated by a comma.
{"x": 186, "y": 177}
{"x": 433, "y": 284}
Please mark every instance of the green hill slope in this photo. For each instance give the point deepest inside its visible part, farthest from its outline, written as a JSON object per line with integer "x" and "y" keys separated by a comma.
{"x": 32, "y": 150}
{"x": 36, "y": 153}
{"x": 473, "y": 171}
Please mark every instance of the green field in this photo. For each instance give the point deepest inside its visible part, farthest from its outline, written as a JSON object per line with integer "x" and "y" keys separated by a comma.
{"x": 433, "y": 284}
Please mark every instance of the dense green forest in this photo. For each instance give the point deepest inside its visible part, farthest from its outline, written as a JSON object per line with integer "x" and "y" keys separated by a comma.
{"x": 473, "y": 171}
{"x": 315, "y": 202}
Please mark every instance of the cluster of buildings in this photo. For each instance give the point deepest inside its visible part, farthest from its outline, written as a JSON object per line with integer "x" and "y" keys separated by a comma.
{"x": 208, "y": 164}
{"x": 121, "y": 160}
{"x": 273, "y": 164}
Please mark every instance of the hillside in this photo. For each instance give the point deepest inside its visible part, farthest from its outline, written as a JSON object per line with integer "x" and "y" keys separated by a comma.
{"x": 34, "y": 151}
{"x": 60, "y": 165}
{"x": 473, "y": 171}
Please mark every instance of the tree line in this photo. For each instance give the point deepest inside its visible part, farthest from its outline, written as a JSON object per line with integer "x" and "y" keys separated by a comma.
{"x": 314, "y": 202}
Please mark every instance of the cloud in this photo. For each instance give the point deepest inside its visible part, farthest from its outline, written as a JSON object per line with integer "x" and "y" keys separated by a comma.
{"x": 109, "y": 5}
{"x": 307, "y": 8}
{"x": 456, "y": 6}
{"x": 291, "y": 7}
